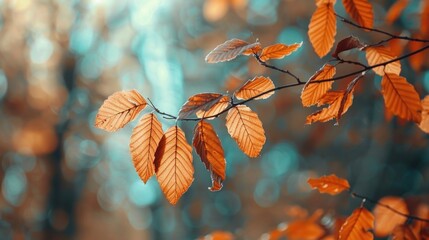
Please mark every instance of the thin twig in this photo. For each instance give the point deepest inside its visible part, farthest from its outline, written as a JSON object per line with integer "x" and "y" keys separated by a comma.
{"x": 276, "y": 68}
{"x": 356, "y": 195}
{"x": 392, "y": 36}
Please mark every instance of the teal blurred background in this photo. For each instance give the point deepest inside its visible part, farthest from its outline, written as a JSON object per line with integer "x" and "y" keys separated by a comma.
{"x": 61, "y": 178}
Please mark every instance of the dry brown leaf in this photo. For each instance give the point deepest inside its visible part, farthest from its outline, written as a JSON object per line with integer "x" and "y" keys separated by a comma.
{"x": 278, "y": 51}
{"x": 361, "y": 11}
{"x": 246, "y": 129}
{"x": 322, "y": 29}
{"x": 403, "y": 232}
{"x": 143, "y": 144}
{"x": 358, "y": 225}
{"x": 209, "y": 148}
{"x": 385, "y": 219}
{"x": 401, "y": 98}
{"x": 334, "y": 98}
{"x": 229, "y": 50}
{"x": 199, "y": 102}
{"x": 331, "y": 184}
{"x": 255, "y": 87}
{"x": 119, "y": 109}
{"x": 347, "y": 44}
{"x": 312, "y": 92}
{"x": 173, "y": 162}
{"x": 380, "y": 54}
{"x": 424, "y": 124}
{"x": 216, "y": 109}
{"x": 395, "y": 11}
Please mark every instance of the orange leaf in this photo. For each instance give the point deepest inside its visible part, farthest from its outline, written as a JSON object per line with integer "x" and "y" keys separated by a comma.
{"x": 253, "y": 50}
{"x": 322, "y": 2}
{"x": 119, "y": 109}
{"x": 219, "y": 235}
{"x": 209, "y": 148}
{"x": 334, "y": 98}
{"x": 357, "y": 225}
{"x": 329, "y": 184}
{"x": 360, "y": 11}
{"x": 215, "y": 109}
{"x": 312, "y": 92}
{"x": 304, "y": 229}
{"x": 322, "y": 29}
{"x": 199, "y": 102}
{"x": 385, "y": 219}
{"x": 424, "y": 19}
{"x": 417, "y": 60}
{"x": 347, "y": 44}
{"x": 173, "y": 161}
{"x": 424, "y": 124}
{"x": 403, "y": 232}
{"x": 401, "y": 98}
{"x": 144, "y": 141}
{"x": 380, "y": 54}
{"x": 278, "y": 51}
{"x": 246, "y": 129}
{"x": 229, "y": 50}
{"x": 395, "y": 10}
{"x": 255, "y": 87}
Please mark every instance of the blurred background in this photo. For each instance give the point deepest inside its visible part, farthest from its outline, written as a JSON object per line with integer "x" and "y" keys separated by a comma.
{"x": 61, "y": 178}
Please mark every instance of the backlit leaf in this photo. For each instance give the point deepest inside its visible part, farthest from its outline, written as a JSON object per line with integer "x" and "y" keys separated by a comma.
{"x": 395, "y": 10}
{"x": 278, "y": 51}
{"x": 304, "y": 229}
{"x": 424, "y": 124}
{"x": 253, "y": 50}
{"x": 322, "y": 29}
{"x": 119, "y": 109}
{"x": 380, "y": 54}
{"x": 229, "y": 50}
{"x": 143, "y": 144}
{"x": 312, "y": 92}
{"x": 403, "y": 232}
{"x": 401, "y": 98}
{"x": 209, "y": 148}
{"x": 385, "y": 219}
{"x": 334, "y": 98}
{"x": 246, "y": 129}
{"x": 215, "y": 109}
{"x": 329, "y": 184}
{"x": 347, "y": 44}
{"x": 361, "y": 11}
{"x": 174, "y": 169}
{"x": 358, "y": 225}
{"x": 199, "y": 102}
{"x": 255, "y": 87}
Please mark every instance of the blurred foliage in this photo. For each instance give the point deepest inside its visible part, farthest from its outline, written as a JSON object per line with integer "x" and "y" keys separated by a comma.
{"x": 61, "y": 178}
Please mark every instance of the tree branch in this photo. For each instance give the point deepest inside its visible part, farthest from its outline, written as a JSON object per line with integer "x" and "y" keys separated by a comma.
{"x": 392, "y": 36}
{"x": 298, "y": 83}
{"x": 364, "y": 198}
